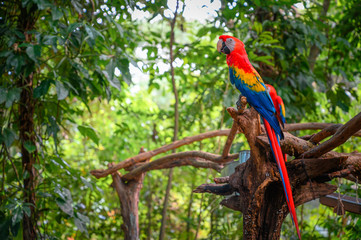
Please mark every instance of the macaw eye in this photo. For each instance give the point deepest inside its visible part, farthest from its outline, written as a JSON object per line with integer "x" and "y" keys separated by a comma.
{"x": 229, "y": 40}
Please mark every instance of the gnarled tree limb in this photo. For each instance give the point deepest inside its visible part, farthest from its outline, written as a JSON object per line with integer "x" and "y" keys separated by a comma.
{"x": 193, "y": 158}
{"x": 217, "y": 189}
{"x": 99, "y": 173}
{"x": 342, "y": 135}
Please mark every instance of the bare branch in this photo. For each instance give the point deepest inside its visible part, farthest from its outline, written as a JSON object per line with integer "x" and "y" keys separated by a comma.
{"x": 221, "y": 180}
{"x": 312, "y": 191}
{"x": 291, "y": 145}
{"x": 167, "y": 162}
{"x": 233, "y": 202}
{"x": 99, "y": 173}
{"x": 193, "y": 158}
{"x": 231, "y": 136}
{"x": 342, "y": 135}
{"x": 324, "y": 133}
{"x": 304, "y": 170}
{"x": 217, "y": 189}
{"x": 290, "y": 127}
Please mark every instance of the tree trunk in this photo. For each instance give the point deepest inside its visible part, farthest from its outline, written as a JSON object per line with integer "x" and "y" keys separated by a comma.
{"x": 26, "y": 112}
{"x": 26, "y": 23}
{"x": 315, "y": 51}
{"x": 176, "y": 124}
{"x": 165, "y": 205}
{"x": 258, "y": 182}
{"x": 128, "y": 193}
{"x": 189, "y": 211}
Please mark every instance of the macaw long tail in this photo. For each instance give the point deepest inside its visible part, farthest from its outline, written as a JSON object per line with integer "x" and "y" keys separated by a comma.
{"x": 277, "y": 153}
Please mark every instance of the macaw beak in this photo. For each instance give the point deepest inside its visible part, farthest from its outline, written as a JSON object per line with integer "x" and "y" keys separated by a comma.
{"x": 222, "y": 48}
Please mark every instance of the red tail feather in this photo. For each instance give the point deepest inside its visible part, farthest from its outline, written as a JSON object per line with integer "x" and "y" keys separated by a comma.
{"x": 282, "y": 167}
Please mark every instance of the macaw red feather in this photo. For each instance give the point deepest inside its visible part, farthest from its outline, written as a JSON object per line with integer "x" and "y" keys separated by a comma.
{"x": 284, "y": 175}
{"x": 251, "y": 85}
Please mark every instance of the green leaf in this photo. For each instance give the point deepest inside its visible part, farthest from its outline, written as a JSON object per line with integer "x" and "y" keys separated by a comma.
{"x": 64, "y": 201}
{"x": 26, "y": 174}
{"x": 34, "y": 52}
{"x": 17, "y": 214}
{"x": 56, "y": 13}
{"x": 86, "y": 183}
{"x": 29, "y": 146}
{"x": 12, "y": 96}
{"x": 61, "y": 90}
{"x": 202, "y": 32}
{"x": 89, "y": 132}
{"x": 3, "y": 93}
{"x": 109, "y": 74}
{"x": 5, "y": 53}
{"x": 77, "y": 5}
{"x": 258, "y": 27}
{"x": 80, "y": 221}
{"x": 42, "y": 89}
{"x": 123, "y": 67}
{"x": 110, "y": 68}
{"x": 289, "y": 43}
{"x": 9, "y": 136}
{"x": 51, "y": 40}
{"x": 73, "y": 26}
{"x": 53, "y": 128}
{"x": 5, "y": 223}
{"x": 27, "y": 210}
{"x": 42, "y": 4}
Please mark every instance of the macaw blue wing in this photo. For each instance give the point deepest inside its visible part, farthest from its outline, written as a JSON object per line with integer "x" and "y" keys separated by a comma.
{"x": 252, "y": 87}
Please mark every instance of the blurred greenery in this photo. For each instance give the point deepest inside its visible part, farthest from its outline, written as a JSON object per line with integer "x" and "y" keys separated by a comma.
{"x": 102, "y": 89}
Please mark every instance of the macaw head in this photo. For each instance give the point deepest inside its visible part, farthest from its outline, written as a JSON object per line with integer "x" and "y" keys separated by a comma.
{"x": 228, "y": 44}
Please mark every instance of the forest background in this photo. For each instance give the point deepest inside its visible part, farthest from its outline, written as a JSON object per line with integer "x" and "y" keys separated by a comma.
{"x": 87, "y": 83}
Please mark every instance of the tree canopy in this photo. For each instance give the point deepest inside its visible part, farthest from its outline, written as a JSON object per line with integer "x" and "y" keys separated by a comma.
{"x": 88, "y": 83}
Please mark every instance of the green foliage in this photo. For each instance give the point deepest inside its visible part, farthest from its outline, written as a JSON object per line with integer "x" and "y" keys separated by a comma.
{"x": 79, "y": 55}
{"x": 71, "y": 51}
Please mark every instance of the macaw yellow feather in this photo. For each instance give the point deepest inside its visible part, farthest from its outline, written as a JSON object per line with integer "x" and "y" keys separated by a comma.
{"x": 251, "y": 79}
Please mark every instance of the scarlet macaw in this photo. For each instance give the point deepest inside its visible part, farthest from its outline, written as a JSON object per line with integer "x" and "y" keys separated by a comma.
{"x": 250, "y": 84}
{"x": 278, "y": 103}
{"x": 280, "y": 107}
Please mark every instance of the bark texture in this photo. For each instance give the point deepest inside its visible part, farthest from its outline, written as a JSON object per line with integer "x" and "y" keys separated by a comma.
{"x": 26, "y": 22}
{"x": 257, "y": 182}
{"x": 128, "y": 193}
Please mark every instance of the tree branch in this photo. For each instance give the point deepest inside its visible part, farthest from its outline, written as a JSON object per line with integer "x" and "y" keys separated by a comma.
{"x": 233, "y": 202}
{"x": 217, "y": 189}
{"x": 168, "y": 162}
{"x": 342, "y": 135}
{"x": 230, "y": 138}
{"x": 312, "y": 191}
{"x": 324, "y": 133}
{"x": 99, "y": 173}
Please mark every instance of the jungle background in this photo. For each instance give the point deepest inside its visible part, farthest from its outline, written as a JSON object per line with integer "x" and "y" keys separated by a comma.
{"x": 92, "y": 81}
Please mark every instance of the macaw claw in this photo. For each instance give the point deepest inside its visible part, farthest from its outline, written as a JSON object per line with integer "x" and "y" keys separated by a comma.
{"x": 241, "y": 103}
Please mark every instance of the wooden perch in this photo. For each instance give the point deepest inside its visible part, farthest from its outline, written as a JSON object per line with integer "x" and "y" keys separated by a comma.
{"x": 100, "y": 173}
{"x": 230, "y": 138}
{"x": 217, "y": 189}
{"x": 341, "y": 136}
{"x": 350, "y": 204}
{"x": 233, "y": 202}
{"x": 258, "y": 182}
{"x": 128, "y": 163}
{"x": 193, "y": 158}
{"x": 324, "y": 133}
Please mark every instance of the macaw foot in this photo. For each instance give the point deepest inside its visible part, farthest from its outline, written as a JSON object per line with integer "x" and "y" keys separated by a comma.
{"x": 241, "y": 103}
